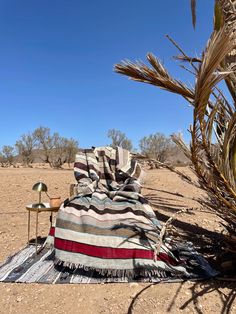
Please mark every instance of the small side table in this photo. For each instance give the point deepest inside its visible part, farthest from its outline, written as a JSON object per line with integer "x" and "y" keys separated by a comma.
{"x": 30, "y": 209}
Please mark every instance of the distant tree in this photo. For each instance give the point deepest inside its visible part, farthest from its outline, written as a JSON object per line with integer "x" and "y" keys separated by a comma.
{"x": 157, "y": 146}
{"x": 7, "y": 156}
{"x": 25, "y": 146}
{"x": 57, "y": 155}
{"x": 45, "y": 142}
{"x": 56, "y": 150}
{"x": 71, "y": 148}
{"x": 64, "y": 150}
{"x": 119, "y": 139}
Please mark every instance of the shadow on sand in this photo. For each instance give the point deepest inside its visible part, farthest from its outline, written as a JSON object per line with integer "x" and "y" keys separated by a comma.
{"x": 207, "y": 242}
{"x": 198, "y": 289}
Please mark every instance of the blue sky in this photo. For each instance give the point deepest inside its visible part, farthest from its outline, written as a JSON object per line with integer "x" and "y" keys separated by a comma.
{"x": 57, "y": 58}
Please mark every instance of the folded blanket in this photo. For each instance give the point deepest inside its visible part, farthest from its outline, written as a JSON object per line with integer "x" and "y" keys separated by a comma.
{"x": 108, "y": 226}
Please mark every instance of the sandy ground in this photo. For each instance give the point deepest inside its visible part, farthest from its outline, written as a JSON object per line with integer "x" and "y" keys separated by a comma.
{"x": 161, "y": 187}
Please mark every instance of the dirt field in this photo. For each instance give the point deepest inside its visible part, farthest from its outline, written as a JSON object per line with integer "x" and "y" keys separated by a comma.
{"x": 161, "y": 187}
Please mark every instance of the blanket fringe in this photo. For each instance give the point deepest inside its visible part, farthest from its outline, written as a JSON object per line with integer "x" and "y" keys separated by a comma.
{"x": 118, "y": 273}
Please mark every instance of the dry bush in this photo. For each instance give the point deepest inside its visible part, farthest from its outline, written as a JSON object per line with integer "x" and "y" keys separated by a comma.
{"x": 55, "y": 149}
{"x": 158, "y": 146}
{"x": 24, "y": 147}
{"x": 7, "y": 156}
{"x": 120, "y": 139}
{"x": 40, "y": 146}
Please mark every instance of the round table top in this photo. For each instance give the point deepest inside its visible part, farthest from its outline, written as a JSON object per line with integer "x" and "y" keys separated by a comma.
{"x": 47, "y": 208}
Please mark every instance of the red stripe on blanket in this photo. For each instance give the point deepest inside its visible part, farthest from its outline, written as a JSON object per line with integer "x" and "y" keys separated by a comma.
{"x": 52, "y": 231}
{"x": 110, "y": 253}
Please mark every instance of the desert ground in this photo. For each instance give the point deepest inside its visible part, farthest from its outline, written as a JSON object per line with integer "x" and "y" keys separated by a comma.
{"x": 167, "y": 194}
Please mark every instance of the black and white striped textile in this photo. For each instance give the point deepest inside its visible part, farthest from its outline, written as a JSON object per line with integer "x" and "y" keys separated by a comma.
{"x": 26, "y": 267}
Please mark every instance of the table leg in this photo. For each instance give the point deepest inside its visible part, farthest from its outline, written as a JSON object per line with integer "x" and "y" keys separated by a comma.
{"x": 51, "y": 220}
{"x": 36, "y": 239}
{"x": 28, "y": 227}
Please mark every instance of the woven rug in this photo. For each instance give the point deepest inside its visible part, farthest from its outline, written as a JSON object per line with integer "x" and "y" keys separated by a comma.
{"x": 26, "y": 267}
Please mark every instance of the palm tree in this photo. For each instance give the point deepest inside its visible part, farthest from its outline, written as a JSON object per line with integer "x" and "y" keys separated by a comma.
{"x": 224, "y": 12}
{"x": 213, "y": 130}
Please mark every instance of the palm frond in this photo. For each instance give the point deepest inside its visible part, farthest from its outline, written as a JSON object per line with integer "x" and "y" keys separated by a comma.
{"x": 157, "y": 76}
{"x": 178, "y": 140}
{"x": 193, "y": 11}
{"x": 219, "y": 45}
{"x": 187, "y": 59}
{"x": 228, "y": 10}
{"x": 218, "y": 17}
{"x": 228, "y": 150}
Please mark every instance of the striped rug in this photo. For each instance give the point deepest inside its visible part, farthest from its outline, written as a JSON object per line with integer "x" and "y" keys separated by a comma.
{"x": 26, "y": 267}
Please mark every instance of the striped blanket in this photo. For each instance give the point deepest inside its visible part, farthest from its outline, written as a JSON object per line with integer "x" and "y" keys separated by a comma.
{"x": 110, "y": 228}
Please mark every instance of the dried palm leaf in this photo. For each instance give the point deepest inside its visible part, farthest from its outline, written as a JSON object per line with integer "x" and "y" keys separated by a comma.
{"x": 210, "y": 123}
{"x": 233, "y": 157}
{"x": 188, "y": 59}
{"x": 157, "y": 76}
{"x": 219, "y": 45}
{"x": 193, "y": 11}
{"x": 218, "y": 16}
{"x": 227, "y": 148}
{"x": 227, "y": 13}
{"x": 178, "y": 140}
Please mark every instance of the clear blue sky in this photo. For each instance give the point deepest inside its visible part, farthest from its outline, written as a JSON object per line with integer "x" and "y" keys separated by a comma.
{"x": 57, "y": 58}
